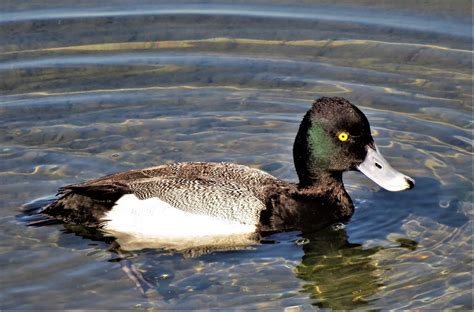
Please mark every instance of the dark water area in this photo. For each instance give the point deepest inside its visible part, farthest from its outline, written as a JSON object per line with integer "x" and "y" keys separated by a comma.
{"x": 91, "y": 88}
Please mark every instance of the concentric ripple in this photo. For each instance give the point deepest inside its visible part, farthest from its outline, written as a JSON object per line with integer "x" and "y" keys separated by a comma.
{"x": 88, "y": 88}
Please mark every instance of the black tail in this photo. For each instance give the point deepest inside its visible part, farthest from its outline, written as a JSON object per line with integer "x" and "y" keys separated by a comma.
{"x": 32, "y": 212}
{"x": 75, "y": 204}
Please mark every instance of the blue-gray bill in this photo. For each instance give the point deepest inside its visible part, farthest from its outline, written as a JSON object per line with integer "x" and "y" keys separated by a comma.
{"x": 376, "y": 168}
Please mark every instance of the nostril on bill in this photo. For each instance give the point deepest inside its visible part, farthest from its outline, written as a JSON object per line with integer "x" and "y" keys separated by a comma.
{"x": 378, "y": 165}
{"x": 411, "y": 183}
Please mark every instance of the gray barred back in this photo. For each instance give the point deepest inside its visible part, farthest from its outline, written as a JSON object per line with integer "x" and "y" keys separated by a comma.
{"x": 222, "y": 190}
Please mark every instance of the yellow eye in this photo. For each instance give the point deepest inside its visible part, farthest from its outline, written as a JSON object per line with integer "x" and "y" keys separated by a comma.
{"x": 343, "y": 136}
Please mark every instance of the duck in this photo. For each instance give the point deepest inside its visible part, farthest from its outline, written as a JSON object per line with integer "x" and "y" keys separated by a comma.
{"x": 195, "y": 200}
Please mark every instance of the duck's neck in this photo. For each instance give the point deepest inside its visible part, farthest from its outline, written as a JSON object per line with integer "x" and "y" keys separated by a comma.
{"x": 325, "y": 191}
{"x": 321, "y": 179}
{"x": 312, "y": 205}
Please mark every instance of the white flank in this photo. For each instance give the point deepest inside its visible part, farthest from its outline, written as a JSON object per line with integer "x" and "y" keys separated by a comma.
{"x": 154, "y": 218}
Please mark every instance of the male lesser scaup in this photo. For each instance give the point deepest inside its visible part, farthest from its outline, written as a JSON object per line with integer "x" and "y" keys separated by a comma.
{"x": 196, "y": 200}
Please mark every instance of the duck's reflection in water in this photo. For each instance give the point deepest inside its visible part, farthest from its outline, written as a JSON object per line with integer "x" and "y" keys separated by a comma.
{"x": 337, "y": 274}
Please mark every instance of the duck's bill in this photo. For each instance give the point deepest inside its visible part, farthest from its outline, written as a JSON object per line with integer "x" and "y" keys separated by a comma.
{"x": 376, "y": 168}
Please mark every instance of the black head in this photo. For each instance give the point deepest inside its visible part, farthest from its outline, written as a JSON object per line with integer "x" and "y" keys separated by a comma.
{"x": 333, "y": 137}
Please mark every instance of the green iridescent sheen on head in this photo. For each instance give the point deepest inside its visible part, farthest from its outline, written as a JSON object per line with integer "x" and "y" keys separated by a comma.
{"x": 321, "y": 145}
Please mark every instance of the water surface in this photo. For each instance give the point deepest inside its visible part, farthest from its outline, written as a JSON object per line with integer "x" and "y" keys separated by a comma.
{"x": 88, "y": 89}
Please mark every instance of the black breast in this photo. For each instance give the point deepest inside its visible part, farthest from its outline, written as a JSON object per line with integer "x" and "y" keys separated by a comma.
{"x": 306, "y": 209}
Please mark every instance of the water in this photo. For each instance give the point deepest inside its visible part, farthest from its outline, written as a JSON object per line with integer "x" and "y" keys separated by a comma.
{"x": 89, "y": 89}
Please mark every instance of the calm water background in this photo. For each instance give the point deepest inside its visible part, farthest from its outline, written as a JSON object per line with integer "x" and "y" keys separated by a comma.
{"x": 88, "y": 88}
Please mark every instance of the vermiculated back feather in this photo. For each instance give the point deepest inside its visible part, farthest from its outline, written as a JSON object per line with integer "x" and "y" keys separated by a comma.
{"x": 217, "y": 198}
{"x": 225, "y": 191}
